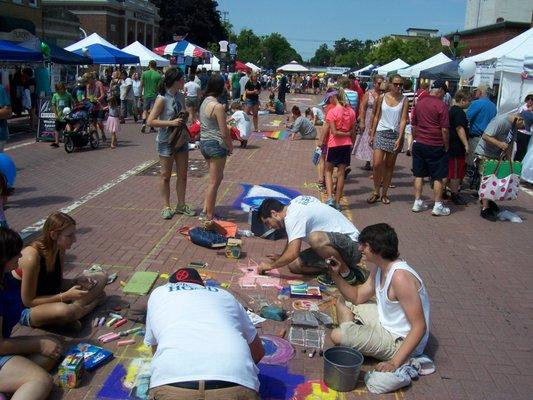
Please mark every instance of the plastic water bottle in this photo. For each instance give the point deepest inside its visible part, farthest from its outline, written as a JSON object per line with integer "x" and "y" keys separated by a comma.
{"x": 316, "y": 155}
{"x": 245, "y": 232}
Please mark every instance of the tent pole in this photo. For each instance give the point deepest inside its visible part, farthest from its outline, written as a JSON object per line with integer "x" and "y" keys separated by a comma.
{"x": 499, "y": 90}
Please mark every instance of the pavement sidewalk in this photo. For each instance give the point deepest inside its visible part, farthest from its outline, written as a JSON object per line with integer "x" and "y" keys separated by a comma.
{"x": 478, "y": 273}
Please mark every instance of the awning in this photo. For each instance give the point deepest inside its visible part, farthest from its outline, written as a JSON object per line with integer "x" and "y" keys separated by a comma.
{"x": 182, "y": 48}
{"x": 101, "y": 54}
{"x": 12, "y": 52}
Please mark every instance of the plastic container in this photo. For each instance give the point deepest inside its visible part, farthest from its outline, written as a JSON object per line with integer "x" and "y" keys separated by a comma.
{"x": 342, "y": 366}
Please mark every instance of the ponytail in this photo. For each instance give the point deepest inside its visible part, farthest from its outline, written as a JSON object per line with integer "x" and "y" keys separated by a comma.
{"x": 171, "y": 75}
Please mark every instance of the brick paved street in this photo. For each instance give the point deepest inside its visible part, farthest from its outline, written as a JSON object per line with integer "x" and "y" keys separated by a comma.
{"x": 478, "y": 273}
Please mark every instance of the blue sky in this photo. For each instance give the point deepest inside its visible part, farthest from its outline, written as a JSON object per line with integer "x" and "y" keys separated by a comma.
{"x": 308, "y": 23}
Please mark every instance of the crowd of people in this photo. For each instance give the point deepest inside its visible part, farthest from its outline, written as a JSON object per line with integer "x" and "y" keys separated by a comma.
{"x": 448, "y": 141}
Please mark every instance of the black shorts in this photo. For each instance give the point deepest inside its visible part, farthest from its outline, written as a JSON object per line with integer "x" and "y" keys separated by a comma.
{"x": 60, "y": 125}
{"x": 339, "y": 155}
{"x": 347, "y": 248}
{"x": 429, "y": 161}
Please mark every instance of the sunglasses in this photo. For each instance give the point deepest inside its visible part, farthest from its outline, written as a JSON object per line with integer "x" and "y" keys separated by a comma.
{"x": 397, "y": 84}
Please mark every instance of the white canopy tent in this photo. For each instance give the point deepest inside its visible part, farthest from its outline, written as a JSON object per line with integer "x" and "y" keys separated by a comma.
{"x": 254, "y": 67}
{"x": 293, "y": 66}
{"x": 392, "y": 66}
{"x": 508, "y": 62}
{"x": 214, "y": 65}
{"x": 94, "y": 38}
{"x": 145, "y": 55}
{"x": 414, "y": 70}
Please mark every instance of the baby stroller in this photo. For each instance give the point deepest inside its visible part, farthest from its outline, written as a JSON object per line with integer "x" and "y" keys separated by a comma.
{"x": 82, "y": 132}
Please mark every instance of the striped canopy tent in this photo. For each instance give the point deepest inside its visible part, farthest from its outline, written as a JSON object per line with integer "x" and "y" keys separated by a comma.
{"x": 183, "y": 49}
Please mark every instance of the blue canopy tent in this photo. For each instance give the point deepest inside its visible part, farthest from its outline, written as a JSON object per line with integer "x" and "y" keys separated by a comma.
{"x": 369, "y": 71}
{"x": 12, "y": 52}
{"x": 447, "y": 71}
{"x": 101, "y": 54}
{"x": 59, "y": 55}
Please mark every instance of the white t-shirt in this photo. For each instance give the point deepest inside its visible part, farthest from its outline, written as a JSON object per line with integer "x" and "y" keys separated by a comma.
{"x": 126, "y": 91}
{"x": 201, "y": 333}
{"x": 137, "y": 88}
{"x": 318, "y": 113}
{"x": 306, "y": 214}
{"x": 191, "y": 89}
{"x": 242, "y": 120}
{"x": 242, "y": 82}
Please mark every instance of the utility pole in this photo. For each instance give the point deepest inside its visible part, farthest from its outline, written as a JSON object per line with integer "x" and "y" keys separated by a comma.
{"x": 224, "y": 16}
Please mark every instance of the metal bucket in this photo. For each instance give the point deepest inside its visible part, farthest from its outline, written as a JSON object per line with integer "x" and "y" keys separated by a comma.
{"x": 341, "y": 368}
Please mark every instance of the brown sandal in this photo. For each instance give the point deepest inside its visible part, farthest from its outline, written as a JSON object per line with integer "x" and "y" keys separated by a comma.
{"x": 375, "y": 197}
{"x": 385, "y": 200}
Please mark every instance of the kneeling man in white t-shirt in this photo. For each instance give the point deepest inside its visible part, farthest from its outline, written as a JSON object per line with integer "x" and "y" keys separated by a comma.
{"x": 202, "y": 340}
{"x": 396, "y": 326}
{"x": 327, "y": 231}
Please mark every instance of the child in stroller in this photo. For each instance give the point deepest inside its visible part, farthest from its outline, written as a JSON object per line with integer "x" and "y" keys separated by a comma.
{"x": 79, "y": 130}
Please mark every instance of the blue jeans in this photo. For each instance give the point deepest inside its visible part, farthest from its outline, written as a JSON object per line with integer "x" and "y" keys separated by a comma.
{"x": 212, "y": 149}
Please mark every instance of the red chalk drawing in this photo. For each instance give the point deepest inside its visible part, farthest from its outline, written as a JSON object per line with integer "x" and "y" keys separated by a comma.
{"x": 314, "y": 390}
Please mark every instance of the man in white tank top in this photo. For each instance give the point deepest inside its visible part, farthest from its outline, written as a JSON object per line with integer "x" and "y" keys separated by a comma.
{"x": 395, "y": 328}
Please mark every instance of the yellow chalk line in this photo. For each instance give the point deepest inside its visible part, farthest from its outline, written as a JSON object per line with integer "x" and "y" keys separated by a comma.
{"x": 252, "y": 153}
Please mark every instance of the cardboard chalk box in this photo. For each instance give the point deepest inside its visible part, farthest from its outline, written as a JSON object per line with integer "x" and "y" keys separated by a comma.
{"x": 70, "y": 371}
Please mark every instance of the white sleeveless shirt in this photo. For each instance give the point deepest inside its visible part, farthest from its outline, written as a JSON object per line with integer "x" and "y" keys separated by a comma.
{"x": 391, "y": 315}
{"x": 390, "y": 116}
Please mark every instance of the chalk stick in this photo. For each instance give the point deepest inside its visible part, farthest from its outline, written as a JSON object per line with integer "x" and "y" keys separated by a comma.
{"x": 312, "y": 353}
{"x": 119, "y": 323}
{"x": 105, "y": 335}
{"x": 125, "y": 342}
{"x": 95, "y": 322}
{"x": 110, "y": 338}
{"x": 101, "y": 322}
{"x": 111, "y": 322}
{"x": 164, "y": 276}
{"x": 133, "y": 330}
{"x": 115, "y": 315}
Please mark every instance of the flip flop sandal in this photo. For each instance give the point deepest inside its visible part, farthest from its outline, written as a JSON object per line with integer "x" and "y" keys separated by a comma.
{"x": 374, "y": 198}
{"x": 385, "y": 200}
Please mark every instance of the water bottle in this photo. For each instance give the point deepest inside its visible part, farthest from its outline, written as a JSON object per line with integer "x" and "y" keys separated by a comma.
{"x": 316, "y": 155}
{"x": 245, "y": 232}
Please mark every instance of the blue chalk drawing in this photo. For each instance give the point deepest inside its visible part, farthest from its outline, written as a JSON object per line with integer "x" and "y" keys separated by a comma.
{"x": 277, "y": 383}
{"x": 112, "y": 388}
{"x": 253, "y": 195}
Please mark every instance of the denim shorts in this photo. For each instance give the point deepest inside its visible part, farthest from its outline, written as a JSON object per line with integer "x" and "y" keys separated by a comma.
{"x": 25, "y": 317}
{"x": 164, "y": 150}
{"x": 251, "y": 102}
{"x": 212, "y": 149}
{"x": 148, "y": 104}
{"x": 4, "y": 360}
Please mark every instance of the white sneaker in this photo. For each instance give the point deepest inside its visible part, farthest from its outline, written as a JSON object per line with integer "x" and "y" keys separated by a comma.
{"x": 419, "y": 206}
{"x": 440, "y": 210}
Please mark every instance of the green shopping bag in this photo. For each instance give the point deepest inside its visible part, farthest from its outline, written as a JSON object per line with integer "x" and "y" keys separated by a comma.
{"x": 505, "y": 168}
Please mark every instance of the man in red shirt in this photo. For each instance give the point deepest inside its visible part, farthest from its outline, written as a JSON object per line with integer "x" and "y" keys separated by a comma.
{"x": 430, "y": 124}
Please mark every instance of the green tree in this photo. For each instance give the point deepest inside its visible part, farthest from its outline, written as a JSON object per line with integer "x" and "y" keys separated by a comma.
{"x": 411, "y": 51}
{"x": 323, "y": 56}
{"x": 199, "y": 19}
{"x": 276, "y": 51}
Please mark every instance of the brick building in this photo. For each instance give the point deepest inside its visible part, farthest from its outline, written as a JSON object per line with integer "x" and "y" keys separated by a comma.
{"x": 20, "y": 20}
{"x": 120, "y": 22}
{"x": 480, "y": 39}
